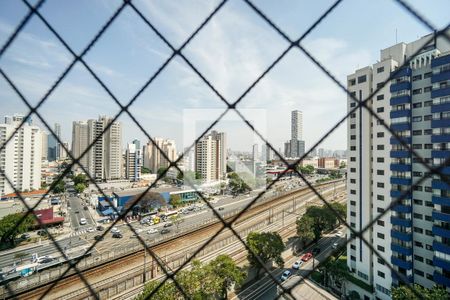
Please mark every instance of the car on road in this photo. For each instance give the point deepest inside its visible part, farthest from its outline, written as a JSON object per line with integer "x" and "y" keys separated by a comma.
{"x": 165, "y": 230}
{"x": 335, "y": 245}
{"x": 115, "y": 230}
{"x": 316, "y": 251}
{"x": 286, "y": 274}
{"x": 90, "y": 229}
{"x": 221, "y": 208}
{"x": 117, "y": 235}
{"x": 83, "y": 221}
{"x": 167, "y": 225}
{"x": 25, "y": 236}
{"x": 143, "y": 221}
{"x": 86, "y": 208}
{"x": 100, "y": 228}
{"x": 307, "y": 256}
{"x": 296, "y": 265}
{"x": 45, "y": 259}
{"x": 152, "y": 230}
{"x": 98, "y": 238}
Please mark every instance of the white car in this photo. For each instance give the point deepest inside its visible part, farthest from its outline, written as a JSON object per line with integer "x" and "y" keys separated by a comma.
{"x": 297, "y": 264}
{"x": 335, "y": 245}
{"x": 90, "y": 229}
{"x": 152, "y": 230}
{"x": 286, "y": 274}
{"x": 115, "y": 230}
{"x": 83, "y": 221}
{"x": 339, "y": 234}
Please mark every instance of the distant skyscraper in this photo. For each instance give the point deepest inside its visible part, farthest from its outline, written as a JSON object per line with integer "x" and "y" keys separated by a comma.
{"x": 53, "y": 145}
{"x": 321, "y": 152}
{"x": 104, "y": 159}
{"x": 413, "y": 236}
{"x": 152, "y": 157}
{"x": 133, "y": 161}
{"x": 210, "y": 156}
{"x": 295, "y": 147}
{"x": 255, "y": 152}
{"x": 21, "y": 158}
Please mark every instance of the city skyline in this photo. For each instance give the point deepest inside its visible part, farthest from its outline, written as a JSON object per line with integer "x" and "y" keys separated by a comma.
{"x": 163, "y": 104}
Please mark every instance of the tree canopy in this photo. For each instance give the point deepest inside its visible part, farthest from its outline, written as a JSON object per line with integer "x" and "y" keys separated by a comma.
{"x": 238, "y": 183}
{"x": 405, "y": 293}
{"x": 268, "y": 246}
{"x": 10, "y": 227}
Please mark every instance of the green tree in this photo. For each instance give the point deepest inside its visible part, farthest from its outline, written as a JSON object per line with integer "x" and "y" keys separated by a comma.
{"x": 324, "y": 219}
{"x": 80, "y": 178}
{"x": 175, "y": 200}
{"x": 10, "y": 227}
{"x": 340, "y": 208}
{"x": 161, "y": 171}
{"x": 176, "y": 220}
{"x": 342, "y": 165}
{"x": 80, "y": 187}
{"x": 60, "y": 187}
{"x": 228, "y": 273}
{"x": 305, "y": 226}
{"x": 168, "y": 291}
{"x": 268, "y": 246}
{"x": 405, "y": 293}
{"x": 306, "y": 170}
{"x": 145, "y": 170}
{"x": 237, "y": 184}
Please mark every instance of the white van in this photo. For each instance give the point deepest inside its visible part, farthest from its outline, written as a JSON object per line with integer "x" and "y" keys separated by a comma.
{"x": 83, "y": 221}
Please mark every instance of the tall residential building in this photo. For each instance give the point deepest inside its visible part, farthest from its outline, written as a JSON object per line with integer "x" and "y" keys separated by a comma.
{"x": 211, "y": 157}
{"x": 21, "y": 159}
{"x": 104, "y": 159}
{"x": 255, "y": 152}
{"x": 44, "y": 144}
{"x": 295, "y": 147}
{"x": 53, "y": 145}
{"x": 152, "y": 157}
{"x": 133, "y": 161}
{"x": 414, "y": 236}
{"x": 58, "y": 146}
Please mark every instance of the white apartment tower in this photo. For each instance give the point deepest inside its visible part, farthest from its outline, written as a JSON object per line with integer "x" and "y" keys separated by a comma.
{"x": 210, "y": 157}
{"x": 380, "y": 169}
{"x": 21, "y": 158}
{"x": 133, "y": 162}
{"x": 153, "y": 158}
{"x": 104, "y": 159}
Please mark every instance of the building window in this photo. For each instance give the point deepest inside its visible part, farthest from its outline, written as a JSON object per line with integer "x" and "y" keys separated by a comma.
{"x": 353, "y": 247}
{"x": 429, "y": 204}
{"x": 418, "y": 202}
{"x": 380, "y": 134}
{"x": 380, "y": 85}
{"x": 353, "y": 192}
{"x": 418, "y": 244}
{"x": 417, "y": 119}
{"x": 380, "y": 159}
{"x": 417, "y": 91}
{"x": 353, "y": 203}
{"x": 380, "y": 184}
{"x": 417, "y": 174}
{"x": 352, "y": 116}
{"x": 380, "y": 197}
{"x": 429, "y": 262}
{"x": 419, "y": 258}
{"x": 427, "y": 131}
{"x": 380, "y": 147}
{"x": 353, "y": 214}
{"x": 380, "y": 223}
{"x": 429, "y": 247}
{"x": 427, "y": 117}
{"x": 380, "y": 70}
{"x": 352, "y": 158}
{"x": 380, "y": 261}
{"x": 418, "y": 272}
{"x": 429, "y": 276}
{"x": 353, "y": 94}
{"x": 352, "y": 82}
{"x": 418, "y": 188}
{"x": 417, "y": 132}
{"x": 383, "y": 289}
{"x": 380, "y": 97}
{"x": 427, "y": 75}
{"x": 381, "y": 274}
{"x": 428, "y": 146}
{"x": 428, "y": 103}
{"x": 380, "y": 109}
{"x": 417, "y": 77}
{"x": 418, "y": 216}
{"x": 427, "y": 89}
{"x": 428, "y": 232}
{"x": 352, "y": 180}
{"x": 418, "y": 230}
{"x": 380, "y": 235}
{"x": 352, "y": 258}
{"x": 428, "y": 218}
{"x": 417, "y": 146}
{"x": 380, "y": 248}
{"x": 380, "y": 210}
{"x": 362, "y": 79}
{"x": 417, "y": 105}
{"x": 352, "y": 170}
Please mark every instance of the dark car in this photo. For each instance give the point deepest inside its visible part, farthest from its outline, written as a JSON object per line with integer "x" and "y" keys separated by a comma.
{"x": 221, "y": 208}
{"x": 316, "y": 251}
{"x": 42, "y": 232}
{"x": 117, "y": 235}
{"x": 86, "y": 208}
{"x": 25, "y": 236}
{"x": 100, "y": 228}
{"x": 98, "y": 238}
{"x": 167, "y": 225}
{"x": 165, "y": 230}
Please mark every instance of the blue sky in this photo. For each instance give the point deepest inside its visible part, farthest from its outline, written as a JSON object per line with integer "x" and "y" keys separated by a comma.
{"x": 231, "y": 51}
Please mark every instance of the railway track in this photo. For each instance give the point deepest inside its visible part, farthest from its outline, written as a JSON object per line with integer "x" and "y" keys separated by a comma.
{"x": 197, "y": 235}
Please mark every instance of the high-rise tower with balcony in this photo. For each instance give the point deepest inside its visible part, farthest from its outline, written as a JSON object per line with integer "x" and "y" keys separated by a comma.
{"x": 415, "y": 235}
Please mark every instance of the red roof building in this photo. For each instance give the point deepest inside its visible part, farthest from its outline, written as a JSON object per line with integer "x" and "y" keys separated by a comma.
{"x": 46, "y": 217}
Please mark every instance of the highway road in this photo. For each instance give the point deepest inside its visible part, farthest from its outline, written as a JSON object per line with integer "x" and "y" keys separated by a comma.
{"x": 265, "y": 288}
{"x": 76, "y": 212}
